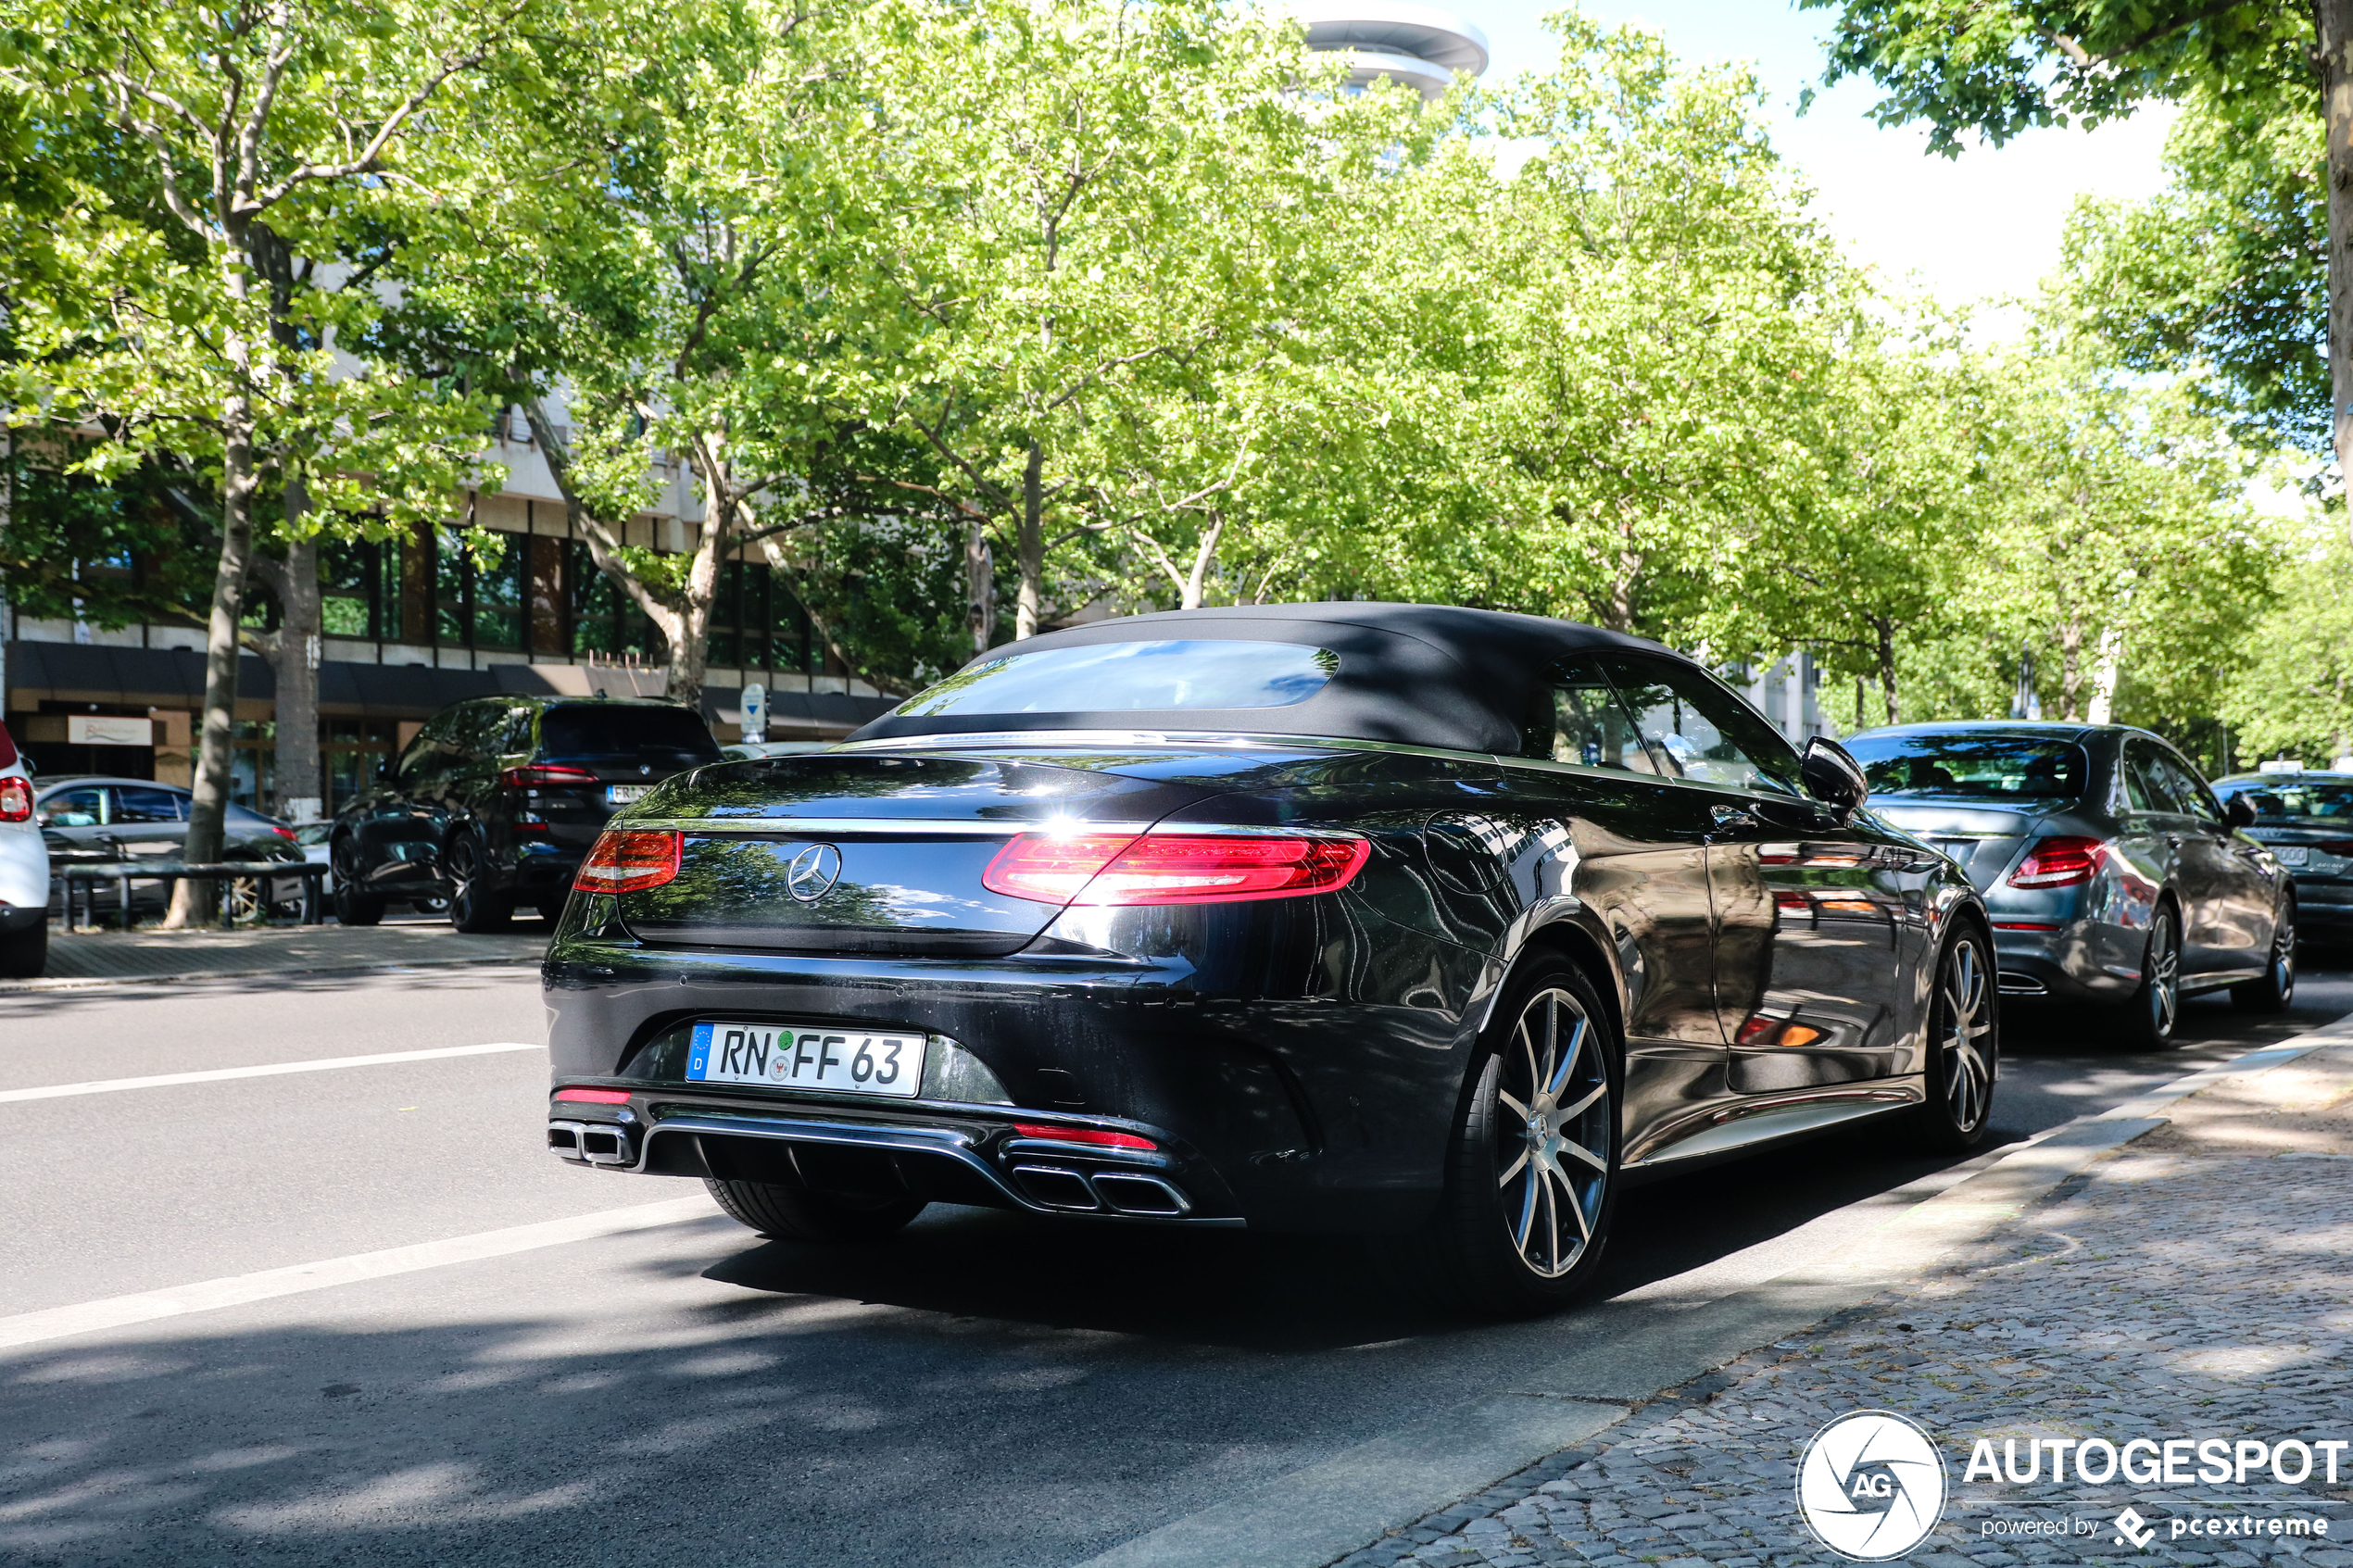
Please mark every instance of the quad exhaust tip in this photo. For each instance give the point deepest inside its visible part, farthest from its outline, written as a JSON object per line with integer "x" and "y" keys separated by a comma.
{"x": 590, "y": 1143}
{"x": 1121, "y": 1192}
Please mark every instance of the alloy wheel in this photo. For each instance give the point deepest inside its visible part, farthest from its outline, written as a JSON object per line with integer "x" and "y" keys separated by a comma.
{"x": 1555, "y": 1128}
{"x": 2163, "y": 973}
{"x": 2283, "y": 955}
{"x": 1964, "y": 1023}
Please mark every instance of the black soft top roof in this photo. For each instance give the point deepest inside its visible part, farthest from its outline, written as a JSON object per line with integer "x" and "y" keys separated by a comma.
{"x": 1436, "y": 675}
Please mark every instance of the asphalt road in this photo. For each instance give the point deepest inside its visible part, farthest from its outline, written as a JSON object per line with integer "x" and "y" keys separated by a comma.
{"x": 987, "y": 1390}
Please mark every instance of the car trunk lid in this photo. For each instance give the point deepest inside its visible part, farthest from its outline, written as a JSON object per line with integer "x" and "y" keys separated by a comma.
{"x": 1984, "y": 841}
{"x": 866, "y": 854}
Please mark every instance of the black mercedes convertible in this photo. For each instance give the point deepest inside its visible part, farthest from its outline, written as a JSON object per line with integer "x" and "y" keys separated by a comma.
{"x": 1378, "y": 918}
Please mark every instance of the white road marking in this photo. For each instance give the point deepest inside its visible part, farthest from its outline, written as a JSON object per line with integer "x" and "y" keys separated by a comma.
{"x": 120, "y": 1312}
{"x": 267, "y": 1070}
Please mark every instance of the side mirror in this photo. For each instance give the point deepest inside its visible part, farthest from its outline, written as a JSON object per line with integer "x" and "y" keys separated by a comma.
{"x": 2239, "y": 812}
{"x": 1834, "y": 778}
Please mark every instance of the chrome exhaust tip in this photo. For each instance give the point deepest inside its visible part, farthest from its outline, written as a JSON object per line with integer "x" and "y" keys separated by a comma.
{"x": 590, "y": 1143}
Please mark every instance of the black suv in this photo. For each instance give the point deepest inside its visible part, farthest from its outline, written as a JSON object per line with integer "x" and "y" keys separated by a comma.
{"x": 497, "y": 799}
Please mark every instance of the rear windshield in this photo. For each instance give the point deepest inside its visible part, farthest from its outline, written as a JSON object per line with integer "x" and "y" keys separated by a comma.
{"x": 598, "y": 729}
{"x": 1123, "y": 677}
{"x": 2297, "y": 800}
{"x": 1968, "y": 766}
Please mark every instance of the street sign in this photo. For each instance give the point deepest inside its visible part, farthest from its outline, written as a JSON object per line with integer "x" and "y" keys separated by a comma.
{"x": 754, "y": 703}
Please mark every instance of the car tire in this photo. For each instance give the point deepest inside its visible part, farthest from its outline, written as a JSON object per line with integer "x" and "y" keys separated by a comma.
{"x": 2155, "y": 1008}
{"x": 791, "y": 1213}
{"x": 476, "y": 907}
{"x": 1531, "y": 1180}
{"x": 24, "y": 954}
{"x": 1964, "y": 1048}
{"x": 355, "y": 908}
{"x": 2276, "y": 990}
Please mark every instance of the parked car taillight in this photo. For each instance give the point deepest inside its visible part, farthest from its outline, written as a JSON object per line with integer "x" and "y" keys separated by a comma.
{"x": 15, "y": 800}
{"x": 2059, "y": 862}
{"x": 1097, "y": 869}
{"x": 542, "y": 775}
{"x": 2335, "y": 846}
{"x": 630, "y": 860}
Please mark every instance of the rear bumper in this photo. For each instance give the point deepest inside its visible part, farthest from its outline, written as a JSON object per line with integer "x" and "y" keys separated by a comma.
{"x": 2064, "y": 963}
{"x": 1308, "y": 1112}
{"x": 2323, "y": 904}
{"x": 942, "y": 1155}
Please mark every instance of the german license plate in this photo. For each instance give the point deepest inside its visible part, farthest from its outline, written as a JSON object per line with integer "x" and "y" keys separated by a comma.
{"x": 806, "y": 1056}
{"x": 622, "y": 795}
{"x": 2292, "y": 854}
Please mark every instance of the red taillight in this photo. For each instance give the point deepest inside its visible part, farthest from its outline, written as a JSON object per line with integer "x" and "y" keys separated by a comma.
{"x": 2059, "y": 862}
{"x": 630, "y": 860}
{"x": 596, "y": 1096}
{"x": 286, "y": 834}
{"x": 2335, "y": 846}
{"x": 15, "y": 800}
{"x": 1097, "y": 869}
{"x": 544, "y": 775}
{"x": 8, "y": 749}
{"x": 1088, "y": 1135}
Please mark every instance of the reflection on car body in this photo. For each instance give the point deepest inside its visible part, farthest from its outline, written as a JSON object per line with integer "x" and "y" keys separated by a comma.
{"x": 1435, "y": 922}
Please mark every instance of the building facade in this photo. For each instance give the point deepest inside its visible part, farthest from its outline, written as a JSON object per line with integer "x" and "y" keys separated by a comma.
{"x": 415, "y": 623}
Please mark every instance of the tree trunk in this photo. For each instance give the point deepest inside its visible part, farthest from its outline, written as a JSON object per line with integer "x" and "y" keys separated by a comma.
{"x": 298, "y": 783}
{"x": 2071, "y": 671}
{"x": 1202, "y": 558}
{"x": 2334, "y": 19}
{"x": 1030, "y": 547}
{"x": 2104, "y": 675}
{"x": 197, "y": 903}
{"x": 981, "y": 586}
{"x": 1885, "y": 630}
{"x": 690, "y": 645}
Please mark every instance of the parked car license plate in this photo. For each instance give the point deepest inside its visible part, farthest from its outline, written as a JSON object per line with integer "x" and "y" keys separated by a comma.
{"x": 2292, "y": 854}
{"x": 806, "y": 1056}
{"x": 622, "y": 795}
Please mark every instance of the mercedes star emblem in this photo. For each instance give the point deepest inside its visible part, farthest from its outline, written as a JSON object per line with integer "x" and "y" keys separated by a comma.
{"x": 813, "y": 873}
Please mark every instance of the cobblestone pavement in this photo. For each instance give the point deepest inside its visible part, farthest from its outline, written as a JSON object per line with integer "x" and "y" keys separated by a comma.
{"x": 2198, "y": 1283}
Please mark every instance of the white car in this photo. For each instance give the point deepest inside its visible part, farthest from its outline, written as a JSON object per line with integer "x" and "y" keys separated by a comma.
{"x": 24, "y": 872}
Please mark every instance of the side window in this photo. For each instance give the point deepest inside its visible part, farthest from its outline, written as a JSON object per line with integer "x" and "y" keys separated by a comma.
{"x": 75, "y": 809}
{"x": 1586, "y": 723}
{"x": 2188, "y": 788}
{"x": 2146, "y": 784}
{"x": 146, "y": 804}
{"x": 1697, "y": 730}
{"x": 426, "y": 752}
{"x": 518, "y": 736}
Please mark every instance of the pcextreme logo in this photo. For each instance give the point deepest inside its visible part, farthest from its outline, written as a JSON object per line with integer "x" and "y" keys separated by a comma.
{"x": 1870, "y": 1486}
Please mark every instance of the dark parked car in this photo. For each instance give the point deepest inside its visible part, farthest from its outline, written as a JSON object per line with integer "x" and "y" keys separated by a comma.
{"x": 2112, "y": 873}
{"x": 496, "y": 800}
{"x": 1344, "y": 917}
{"x": 2307, "y": 821}
{"x": 87, "y": 819}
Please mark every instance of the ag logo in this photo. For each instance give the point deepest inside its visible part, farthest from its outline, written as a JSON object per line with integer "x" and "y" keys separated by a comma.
{"x": 812, "y": 872}
{"x": 1870, "y": 1486}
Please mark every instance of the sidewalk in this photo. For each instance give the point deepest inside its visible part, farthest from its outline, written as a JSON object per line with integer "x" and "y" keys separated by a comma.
{"x": 97, "y": 957}
{"x": 2195, "y": 1282}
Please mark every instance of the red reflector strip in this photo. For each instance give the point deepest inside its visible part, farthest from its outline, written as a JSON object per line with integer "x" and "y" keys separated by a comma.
{"x": 596, "y": 1096}
{"x": 1092, "y": 1136}
{"x": 630, "y": 860}
{"x": 2022, "y": 926}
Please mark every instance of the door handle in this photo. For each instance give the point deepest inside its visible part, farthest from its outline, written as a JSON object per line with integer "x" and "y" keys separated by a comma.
{"x": 1731, "y": 817}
